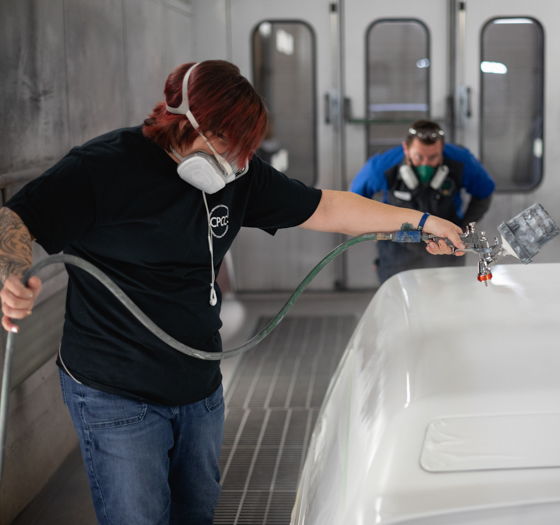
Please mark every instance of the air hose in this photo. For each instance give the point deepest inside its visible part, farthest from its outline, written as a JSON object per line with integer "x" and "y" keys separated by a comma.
{"x": 149, "y": 324}
{"x": 166, "y": 338}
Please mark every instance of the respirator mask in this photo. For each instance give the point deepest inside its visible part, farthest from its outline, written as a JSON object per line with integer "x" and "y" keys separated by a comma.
{"x": 209, "y": 173}
{"x": 424, "y": 173}
{"x": 431, "y": 176}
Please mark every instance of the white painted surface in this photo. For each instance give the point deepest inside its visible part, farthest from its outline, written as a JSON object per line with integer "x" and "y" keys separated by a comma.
{"x": 492, "y": 442}
{"x": 437, "y": 345}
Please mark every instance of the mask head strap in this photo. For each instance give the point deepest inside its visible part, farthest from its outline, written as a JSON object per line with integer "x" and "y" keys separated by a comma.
{"x": 184, "y": 109}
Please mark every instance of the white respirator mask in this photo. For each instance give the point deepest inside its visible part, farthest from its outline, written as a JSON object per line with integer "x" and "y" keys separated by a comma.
{"x": 209, "y": 173}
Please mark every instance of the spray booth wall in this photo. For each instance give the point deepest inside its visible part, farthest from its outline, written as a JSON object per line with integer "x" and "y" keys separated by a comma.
{"x": 70, "y": 70}
{"x": 73, "y": 69}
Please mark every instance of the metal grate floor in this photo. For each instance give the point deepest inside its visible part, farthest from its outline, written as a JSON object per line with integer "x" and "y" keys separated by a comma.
{"x": 272, "y": 405}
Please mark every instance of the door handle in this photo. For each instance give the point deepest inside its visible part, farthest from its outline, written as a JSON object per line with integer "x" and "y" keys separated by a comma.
{"x": 332, "y": 107}
{"x": 465, "y": 104}
{"x": 347, "y": 109}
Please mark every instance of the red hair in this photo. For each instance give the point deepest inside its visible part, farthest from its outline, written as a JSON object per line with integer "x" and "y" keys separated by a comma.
{"x": 221, "y": 100}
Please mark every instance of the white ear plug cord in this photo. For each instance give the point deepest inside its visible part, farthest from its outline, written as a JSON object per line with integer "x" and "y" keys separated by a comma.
{"x": 213, "y": 296}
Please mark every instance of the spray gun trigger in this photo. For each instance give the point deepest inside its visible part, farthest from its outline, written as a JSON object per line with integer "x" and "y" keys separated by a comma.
{"x": 428, "y": 237}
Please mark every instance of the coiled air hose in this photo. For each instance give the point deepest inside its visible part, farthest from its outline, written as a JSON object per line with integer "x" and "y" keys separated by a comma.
{"x": 149, "y": 324}
{"x": 166, "y": 338}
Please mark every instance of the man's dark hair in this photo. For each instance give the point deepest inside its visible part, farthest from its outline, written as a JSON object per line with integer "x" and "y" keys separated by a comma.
{"x": 426, "y": 131}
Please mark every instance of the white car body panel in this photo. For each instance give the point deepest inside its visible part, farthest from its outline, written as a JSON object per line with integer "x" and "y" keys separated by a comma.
{"x": 445, "y": 407}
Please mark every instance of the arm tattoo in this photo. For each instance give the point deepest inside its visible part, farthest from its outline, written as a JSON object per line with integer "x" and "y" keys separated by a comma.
{"x": 407, "y": 227}
{"x": 15, "y": 245}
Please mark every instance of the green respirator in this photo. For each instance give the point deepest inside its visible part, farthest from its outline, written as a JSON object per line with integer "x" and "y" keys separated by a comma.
{"x": 424, "y": 172}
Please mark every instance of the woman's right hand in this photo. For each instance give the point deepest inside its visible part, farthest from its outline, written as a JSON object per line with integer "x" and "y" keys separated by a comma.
{"x": 18, "y": 300}
{"x": 444, "y": 229}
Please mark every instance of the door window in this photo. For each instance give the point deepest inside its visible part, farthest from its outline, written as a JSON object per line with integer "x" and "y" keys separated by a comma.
{"x": 512, "y": 97}
{"x": 398, "y": 80}
{"x": 284, "y": 75}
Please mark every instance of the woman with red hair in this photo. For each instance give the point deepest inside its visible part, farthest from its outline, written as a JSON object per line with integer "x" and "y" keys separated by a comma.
{"x": 156, "y": 207}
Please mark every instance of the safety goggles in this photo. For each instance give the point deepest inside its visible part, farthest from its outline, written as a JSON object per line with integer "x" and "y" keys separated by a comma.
{"x": 426, "y": 134}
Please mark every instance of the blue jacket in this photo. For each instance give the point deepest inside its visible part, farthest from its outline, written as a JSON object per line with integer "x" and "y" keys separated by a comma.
{"x": 371, "y": 178}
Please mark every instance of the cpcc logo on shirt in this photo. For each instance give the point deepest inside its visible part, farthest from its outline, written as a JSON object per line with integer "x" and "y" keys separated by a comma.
{"x": 219, "y": 220}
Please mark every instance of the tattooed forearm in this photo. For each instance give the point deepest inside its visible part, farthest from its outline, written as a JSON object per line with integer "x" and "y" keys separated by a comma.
{"x": 15, "y": 245}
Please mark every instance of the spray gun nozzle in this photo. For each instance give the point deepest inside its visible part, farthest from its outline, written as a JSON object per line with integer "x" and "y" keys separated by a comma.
{"x": 483, "y": 277}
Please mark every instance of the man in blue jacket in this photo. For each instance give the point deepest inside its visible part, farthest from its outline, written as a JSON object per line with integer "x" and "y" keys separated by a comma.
{"x": 427, "y": 175}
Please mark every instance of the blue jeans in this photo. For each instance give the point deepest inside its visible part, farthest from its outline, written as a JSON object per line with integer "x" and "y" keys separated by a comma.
{"x": 148, "y": 464}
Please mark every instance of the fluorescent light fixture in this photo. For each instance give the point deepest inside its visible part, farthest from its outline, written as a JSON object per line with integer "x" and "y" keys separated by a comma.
{"x": 513, "y": 21}
{"x": 422, "y": 63}
{"x": 538, "y": 148}
{"x": 284, "y": 42}
{"x": 398, "y": 107}
{"x": 493, "y": 67}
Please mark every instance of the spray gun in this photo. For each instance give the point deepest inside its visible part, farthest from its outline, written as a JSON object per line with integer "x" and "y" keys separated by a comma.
{"x": 522, "y": 237}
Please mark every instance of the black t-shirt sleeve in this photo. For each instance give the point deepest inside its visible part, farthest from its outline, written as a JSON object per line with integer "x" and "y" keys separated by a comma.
{"x": 276, "y": 201}
{"x": 59, "y": 206}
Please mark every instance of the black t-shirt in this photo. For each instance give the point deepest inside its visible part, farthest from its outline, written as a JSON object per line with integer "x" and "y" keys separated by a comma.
{"x": 118, "y": 202}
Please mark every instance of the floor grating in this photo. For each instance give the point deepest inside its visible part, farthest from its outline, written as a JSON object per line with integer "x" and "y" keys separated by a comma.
{"x": 272, "y": 405}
